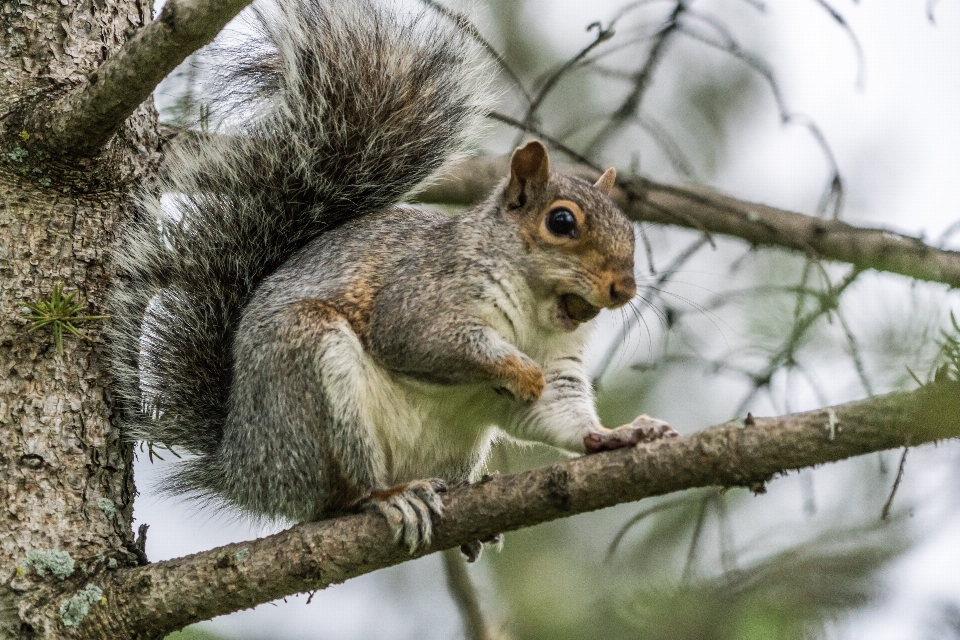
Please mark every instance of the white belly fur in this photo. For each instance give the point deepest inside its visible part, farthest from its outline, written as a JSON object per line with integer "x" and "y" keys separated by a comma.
{"x": 423, "y": 429}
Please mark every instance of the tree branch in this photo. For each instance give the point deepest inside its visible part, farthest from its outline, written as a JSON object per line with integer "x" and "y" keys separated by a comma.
{"x": 151, "y": 601}
{"x": 709, "y": 211}
{"x": 85, "y": 118}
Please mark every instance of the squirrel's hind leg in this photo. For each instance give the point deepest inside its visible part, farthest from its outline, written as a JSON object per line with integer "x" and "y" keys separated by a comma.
{"x": 304, "y": 409}
{"x": 297, "y": 442}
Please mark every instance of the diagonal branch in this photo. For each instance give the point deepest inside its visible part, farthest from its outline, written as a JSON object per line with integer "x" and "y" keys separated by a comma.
{"x": 710, "y": 211}
{"x": 85, "y": 118}
{"x": 151, "y": 601}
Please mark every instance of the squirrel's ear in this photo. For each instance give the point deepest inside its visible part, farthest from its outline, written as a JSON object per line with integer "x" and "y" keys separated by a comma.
{"x": 529, "y": 172}
{"x": 605, "y": 183}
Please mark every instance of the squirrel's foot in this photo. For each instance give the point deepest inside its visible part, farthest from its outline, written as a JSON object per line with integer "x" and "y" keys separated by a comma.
{"x": 474, "y": 549}
{"x": 409, "y": 509}
{"x": 642, "y": 429}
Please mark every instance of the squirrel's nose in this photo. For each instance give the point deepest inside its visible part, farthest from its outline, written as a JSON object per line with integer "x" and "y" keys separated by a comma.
{"x": 622, "y": 289}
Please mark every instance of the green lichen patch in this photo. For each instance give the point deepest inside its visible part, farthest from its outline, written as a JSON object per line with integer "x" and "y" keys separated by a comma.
{"x": 75, "y": 608}
{"x": 109, "y": 509}
{"x": 243, "y": 554}
{"x": 18, "y": 154}
{"x": 59, "y": 563}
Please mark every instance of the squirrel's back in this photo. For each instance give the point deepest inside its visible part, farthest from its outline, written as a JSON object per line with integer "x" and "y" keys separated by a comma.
{"x": 351, "y": 105}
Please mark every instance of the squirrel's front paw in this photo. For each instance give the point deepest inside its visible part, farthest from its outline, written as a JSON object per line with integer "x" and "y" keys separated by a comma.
{"x": 642, "y": 429}
{"x": 522, "y": 377}
{"x": 409, "y": 509}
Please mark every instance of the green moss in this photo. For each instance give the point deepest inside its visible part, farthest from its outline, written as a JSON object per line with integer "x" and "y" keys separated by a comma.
{"x": 75, "y": 608}
{"x": 60, "y": 313}
{"x": 59, "y": 563}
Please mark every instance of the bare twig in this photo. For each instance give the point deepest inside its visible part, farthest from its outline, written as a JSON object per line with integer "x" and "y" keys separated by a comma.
{"x": 833, "y": 194}
{"x": 465, "y": 595}
{"x": 641, "y": 82}
{"x": 839, "y": 19}
{"x": 896, "y": 485}
{"x": 551, "y": 81}
{"x": 464, "y": 24}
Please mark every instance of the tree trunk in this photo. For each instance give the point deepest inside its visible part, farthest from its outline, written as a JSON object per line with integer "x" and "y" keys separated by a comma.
{"x": 65, "y": 475}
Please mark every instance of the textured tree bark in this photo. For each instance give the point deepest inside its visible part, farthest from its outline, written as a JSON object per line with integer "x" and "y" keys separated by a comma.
{"x": 65, "y": 475}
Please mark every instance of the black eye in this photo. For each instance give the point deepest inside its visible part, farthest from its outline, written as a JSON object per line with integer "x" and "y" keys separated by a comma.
{"x": 561, "y": 222}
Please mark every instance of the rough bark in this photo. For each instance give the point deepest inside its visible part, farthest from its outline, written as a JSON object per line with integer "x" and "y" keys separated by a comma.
{"x": 147, "y": 602}
{"x": 65, "y": 475}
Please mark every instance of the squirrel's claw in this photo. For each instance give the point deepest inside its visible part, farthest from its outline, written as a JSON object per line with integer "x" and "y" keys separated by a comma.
{"x": 409, "y": 510}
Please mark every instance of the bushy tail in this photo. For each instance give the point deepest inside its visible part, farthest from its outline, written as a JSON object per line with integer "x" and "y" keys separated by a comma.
{"x": 351, "y": 105}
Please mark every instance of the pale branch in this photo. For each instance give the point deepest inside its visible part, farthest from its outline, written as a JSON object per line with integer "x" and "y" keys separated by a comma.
{"x": 84, "y": 119}
{"x": 709, "y": 211}
{"x": 150, "y": 601}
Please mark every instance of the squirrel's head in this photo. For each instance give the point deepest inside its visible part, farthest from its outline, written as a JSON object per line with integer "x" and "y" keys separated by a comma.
{"x": 579, "y": 245}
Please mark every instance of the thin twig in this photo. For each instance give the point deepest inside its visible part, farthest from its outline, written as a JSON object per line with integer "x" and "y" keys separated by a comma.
{"x": 551, "y": 82}
{"x": 464, "y": 24}
{"x": 695, "y": 539}
{"x": 896, "y": 483}
{"x": 465, "y": 595}
{"x": 861, "y": 59}
{"x": 641, "y": 82}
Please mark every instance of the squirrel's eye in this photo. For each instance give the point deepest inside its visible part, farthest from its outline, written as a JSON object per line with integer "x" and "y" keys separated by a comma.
{"x": 561, "y": 222}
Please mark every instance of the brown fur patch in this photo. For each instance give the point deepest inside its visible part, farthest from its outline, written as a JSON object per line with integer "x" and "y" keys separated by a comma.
{"x": 524, "y": 379}
{"x": 357, "y": 304}
{"x": 310, "y": 317}
{"x": 343, "y": 494}
{"x": 386, "y": 494}
{"x": 354, "y": 306}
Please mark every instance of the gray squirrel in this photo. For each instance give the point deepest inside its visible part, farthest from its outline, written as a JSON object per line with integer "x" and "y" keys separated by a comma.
{"x": 319, "y": 347}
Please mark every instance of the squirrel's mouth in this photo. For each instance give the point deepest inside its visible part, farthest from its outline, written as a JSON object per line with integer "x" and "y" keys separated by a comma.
{"x": 575, "y": 310}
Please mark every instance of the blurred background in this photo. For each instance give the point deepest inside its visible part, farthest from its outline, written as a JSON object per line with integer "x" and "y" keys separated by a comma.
{"x": 845, "y": 109}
